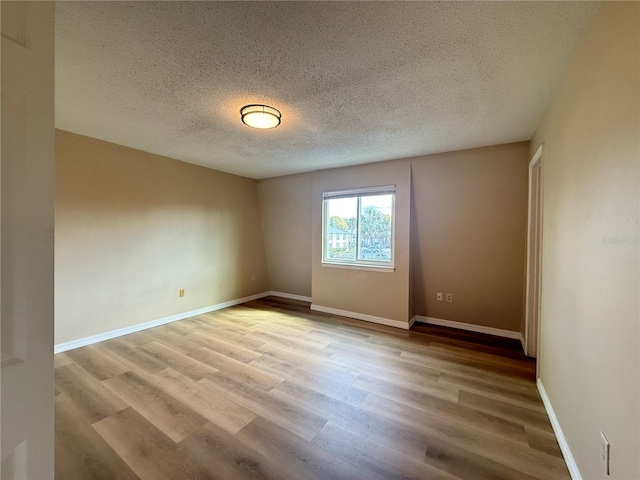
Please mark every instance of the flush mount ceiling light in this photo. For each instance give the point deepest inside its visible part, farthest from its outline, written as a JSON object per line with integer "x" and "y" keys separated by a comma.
{"x": 260, "y": 116}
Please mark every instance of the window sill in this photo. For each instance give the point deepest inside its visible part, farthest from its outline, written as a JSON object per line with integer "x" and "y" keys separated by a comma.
{"x": 356, "y": 266}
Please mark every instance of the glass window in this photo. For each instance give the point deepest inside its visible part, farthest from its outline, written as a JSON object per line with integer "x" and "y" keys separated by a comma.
{"x": 357, "y": 227}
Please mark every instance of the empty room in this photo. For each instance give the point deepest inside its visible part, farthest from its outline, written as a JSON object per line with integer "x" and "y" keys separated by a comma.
{"x": 320, "y": 240}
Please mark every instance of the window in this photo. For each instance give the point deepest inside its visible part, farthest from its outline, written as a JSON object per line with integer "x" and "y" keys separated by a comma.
{"x": 358, "y": 227}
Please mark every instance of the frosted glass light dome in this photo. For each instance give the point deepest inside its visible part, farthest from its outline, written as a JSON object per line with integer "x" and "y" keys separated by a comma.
{"x": 260, "y": 116}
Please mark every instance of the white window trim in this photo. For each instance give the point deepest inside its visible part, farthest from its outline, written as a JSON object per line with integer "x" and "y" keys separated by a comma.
{"x": 358, "y": 266}
{"x": 371, "y": 265}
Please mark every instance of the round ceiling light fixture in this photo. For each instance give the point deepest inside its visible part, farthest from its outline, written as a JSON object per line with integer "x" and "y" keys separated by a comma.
{"x": 260, "y": 116}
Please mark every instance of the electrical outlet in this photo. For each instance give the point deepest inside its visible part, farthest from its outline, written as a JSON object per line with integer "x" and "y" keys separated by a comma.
{"x": 605, "y": 452}
{"x": 181, "y": 292}
{"x": 253, "y": 277}
{"x": 439, "y": 296}
{"x": 449, "y": 297}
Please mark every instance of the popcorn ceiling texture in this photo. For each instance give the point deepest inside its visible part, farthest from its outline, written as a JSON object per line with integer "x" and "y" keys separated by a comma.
{"x": 356, "y": 82}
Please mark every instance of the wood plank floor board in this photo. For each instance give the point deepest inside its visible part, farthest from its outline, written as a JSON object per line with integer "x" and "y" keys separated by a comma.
{"x": 240, "y": 371}
{"x": 336, "y": 336}
{"x": 146, "y": 450}
{"x": 477, "y": 361}
{"x": 272, "y": 390}
{"x": 94, "y": 361}
{"x": 284, "y": 332}
{"x": 387, "y": 366}
{"x": 308, "y": 378}
{"x": 177, "y": 361}
{"x": 282, "y": 326}
{"x": 302, "y": 458}
{"x": 389, "y": 357}
{"x": 457, "y": 365}
{"x": 202, "y": 339}
{"x": 166, "y": 413}
{"x": 512, "y": 453}
{"x": 372, "y": 459}
{"x": 543, "y": 441}
{"x": 523, "y": 381}
{"x": 219, "y": 323}
{"x": 178, "y": 328}
{"x": 230, "y": 316}
{"x": 309, "y": 319}
{"x": 389, "y": 433}
{"x": 61, "y": 359}
{"x": 292, "y": 344}
{"x": 177, "y": 340}
{"x": 135, "y": 340}
{"x": 400, "y": 386}
{"x": 528, "y": 397}
{"x": 316, "y": 363}
{"x": 467, "y": 465}
{"x": 207, "y": 402}
{"x": 299, "y": 421}
{"x": 80, "y": 452}
{"x": 445, "y": 351}
{"x": 471, "y": 341}
{"x": 134, "y": 358}
{"x": 377, "y": 369}
{"x": 191, "y": 322}
{"x": 88, "y": 395}
{"x": 225, "y": 457}
{"x": 364, "y": 350}
{"x": 454, "y": 411}
{"x": 229, "y": 335}
{"x": 506, "y": 410}
{"x": 377, "y": 333}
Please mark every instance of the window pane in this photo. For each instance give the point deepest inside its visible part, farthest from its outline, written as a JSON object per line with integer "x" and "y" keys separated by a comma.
{"x": 375, "y": 228}
{"x": 341, "y": 228}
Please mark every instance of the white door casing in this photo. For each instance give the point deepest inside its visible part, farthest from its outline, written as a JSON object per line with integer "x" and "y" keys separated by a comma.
{"x": 534, "y": 256}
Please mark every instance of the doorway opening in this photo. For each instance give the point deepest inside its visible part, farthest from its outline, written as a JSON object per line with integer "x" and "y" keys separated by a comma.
{"x": 534, "y": 257}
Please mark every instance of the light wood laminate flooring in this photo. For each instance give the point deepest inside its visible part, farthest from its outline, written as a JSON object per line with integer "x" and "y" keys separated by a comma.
{"x": 269, "y": 389}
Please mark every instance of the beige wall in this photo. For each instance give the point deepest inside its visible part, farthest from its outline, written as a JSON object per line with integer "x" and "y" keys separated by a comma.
{"x": 589, "y": 361}
{"x": 133, "y": 228}
{"x": 469, "y": 234}
{"x": 384, "y": 295}
{"x": 285, "y": 208}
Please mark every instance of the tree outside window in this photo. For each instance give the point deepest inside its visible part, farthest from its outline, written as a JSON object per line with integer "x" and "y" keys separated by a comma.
{"x": 358, "y": 226}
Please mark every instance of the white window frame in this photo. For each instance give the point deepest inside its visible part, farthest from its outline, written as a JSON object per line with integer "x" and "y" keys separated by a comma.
{"x": 374, "y": 265}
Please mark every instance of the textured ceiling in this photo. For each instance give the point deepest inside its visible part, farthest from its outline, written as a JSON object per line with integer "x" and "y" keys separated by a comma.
{"x": 355, "y": 82}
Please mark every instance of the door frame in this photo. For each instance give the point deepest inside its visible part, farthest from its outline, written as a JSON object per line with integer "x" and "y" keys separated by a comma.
{"x": 534, "y": 255}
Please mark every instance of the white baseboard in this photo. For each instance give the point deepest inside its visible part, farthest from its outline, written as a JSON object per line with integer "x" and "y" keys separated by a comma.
{"x": 82, "y": 342}
{"x": 412, "y": 321}
{"x": 291, "y": 296}
{"x": 468, "y": 326}
{"x": 361, "y": 316}
{"x": 524, "y": 348}
{"x": 562, "y": 441}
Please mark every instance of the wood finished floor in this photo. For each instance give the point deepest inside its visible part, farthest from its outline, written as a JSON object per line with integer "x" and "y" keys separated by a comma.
{"x": 270, "y": 389}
